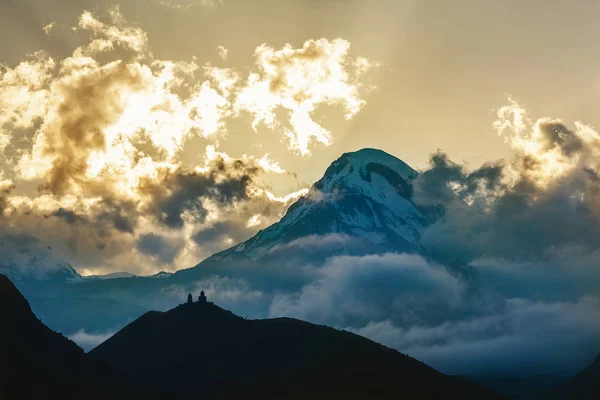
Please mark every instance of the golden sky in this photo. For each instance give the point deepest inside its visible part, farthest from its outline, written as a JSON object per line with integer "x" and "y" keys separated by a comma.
{"x": 127, "y": 130}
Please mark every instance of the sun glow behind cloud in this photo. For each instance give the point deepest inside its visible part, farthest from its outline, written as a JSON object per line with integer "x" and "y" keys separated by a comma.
{"x": 299, "y": 80}
{"x": 107, "y": 125}
{"x": 549, "y": 149}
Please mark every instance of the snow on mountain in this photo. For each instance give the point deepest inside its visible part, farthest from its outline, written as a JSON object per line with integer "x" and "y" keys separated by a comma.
{"x": 364, "y": 195}
{"x": 124, "y": 275}
{"x": 161, "y": 275}
{"x": 114, "y": 275}
{"x": 25, "y": 259}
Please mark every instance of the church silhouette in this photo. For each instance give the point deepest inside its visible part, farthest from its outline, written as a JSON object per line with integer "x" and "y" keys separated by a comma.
{"x": 201, "y": 298}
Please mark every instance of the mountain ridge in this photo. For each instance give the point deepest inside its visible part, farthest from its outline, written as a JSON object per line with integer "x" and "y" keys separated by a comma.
{"x": 221, "y": 355}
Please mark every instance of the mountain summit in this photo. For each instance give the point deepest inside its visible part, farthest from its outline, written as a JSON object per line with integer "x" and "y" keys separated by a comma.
{"x": 363, "y": 204}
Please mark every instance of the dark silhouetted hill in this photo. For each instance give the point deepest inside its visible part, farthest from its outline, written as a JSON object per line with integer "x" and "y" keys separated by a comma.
{"x": 38, "y": 363}
{"x": 583, "y": 386}
{"x": 533, "y": 387}
{"x": 202, "y": 350}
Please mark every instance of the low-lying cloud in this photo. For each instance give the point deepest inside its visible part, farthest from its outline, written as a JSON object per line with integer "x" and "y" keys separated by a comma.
{"x": 524, "y": 338}
{"x": 88, "y": 341}
{"x": 363, "y": 289}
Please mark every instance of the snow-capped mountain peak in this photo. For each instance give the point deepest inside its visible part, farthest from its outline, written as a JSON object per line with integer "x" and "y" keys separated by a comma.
{"x": 364, "y": 195}
{"x": 354, "y": 171}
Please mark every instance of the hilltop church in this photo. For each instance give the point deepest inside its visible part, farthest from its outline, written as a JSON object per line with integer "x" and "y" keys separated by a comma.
{"x": 201, "y": 298}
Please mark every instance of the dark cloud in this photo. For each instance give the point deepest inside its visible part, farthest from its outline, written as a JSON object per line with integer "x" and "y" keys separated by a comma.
{"x": 5, "y": 190}
{"x": 159, "y": 247}
{"x": 523, "y": 338}
{"x": 91, "y": 103}
{"x": 70, "y": 216}
{"x": 176, "y": 192}
{"x": 518, "y": 220}
{"x": 223, "y": 234}
{"x": 432, "y": 185}
{"x": 556, "y": 134}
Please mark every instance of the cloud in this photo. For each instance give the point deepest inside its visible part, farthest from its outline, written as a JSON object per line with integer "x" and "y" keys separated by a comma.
{"x": 102, "y": 134}
{"x": 88, "y": 341}
{"x": 234, "y": 294}
{"x": 526, "y": 337}
{"x": 185, "y": 4}
{"x": 374, "y": 287}
{"x": 107, "y": 35}
{"x": 25, "y": 257}
{"x": 494, "y": 317}
{"x": 25, "y": 94}
{"x": 517, "y": 206}
{"x": 6, "y": 187}
{"x": 223, "y": 234}
{"x": 48, "y": 28}
{"x": 222, "y": 50}
{"x": 322, "y": 72}
{"x": 158, "y": 246}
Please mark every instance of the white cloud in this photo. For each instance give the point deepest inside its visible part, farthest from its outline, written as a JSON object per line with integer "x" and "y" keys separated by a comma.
{"x": 222, "y": 50}
{"x": 322, "y": 72}
{"x": 48, "y": 28}
{"x": 373, "y": 287}
{"x": 524, "y": 337}
{"x": 116, "y": 32}
{"x": 88, "y": 341}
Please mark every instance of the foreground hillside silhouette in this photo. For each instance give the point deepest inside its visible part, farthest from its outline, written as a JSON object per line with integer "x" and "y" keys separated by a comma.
{"x": 585, "y": 385}
{"x": 38, "y": 363}
{"x": 200, "y": 349}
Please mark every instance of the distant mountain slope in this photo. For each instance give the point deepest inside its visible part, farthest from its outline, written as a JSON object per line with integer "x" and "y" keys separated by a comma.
{"x": 583, "y": 386}
{"x": 36, "y": 362}
{"x": 25, "y": 259}
{"x": 202, "y": 350}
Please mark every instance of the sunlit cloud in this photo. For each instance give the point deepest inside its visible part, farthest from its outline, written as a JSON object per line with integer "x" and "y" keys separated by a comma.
{"x": 300, "y": 80}
{"x": 222, "y": 50}
{"x": 115, "y": 32}
{"x": 48, "y": 28}
{"x": 546, "y": 148}
{"x": 102, "y": 140}
{"x": 185, "y": 4}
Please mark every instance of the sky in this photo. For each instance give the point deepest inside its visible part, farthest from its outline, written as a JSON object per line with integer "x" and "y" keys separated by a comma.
{"x": 114, "y": 116}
